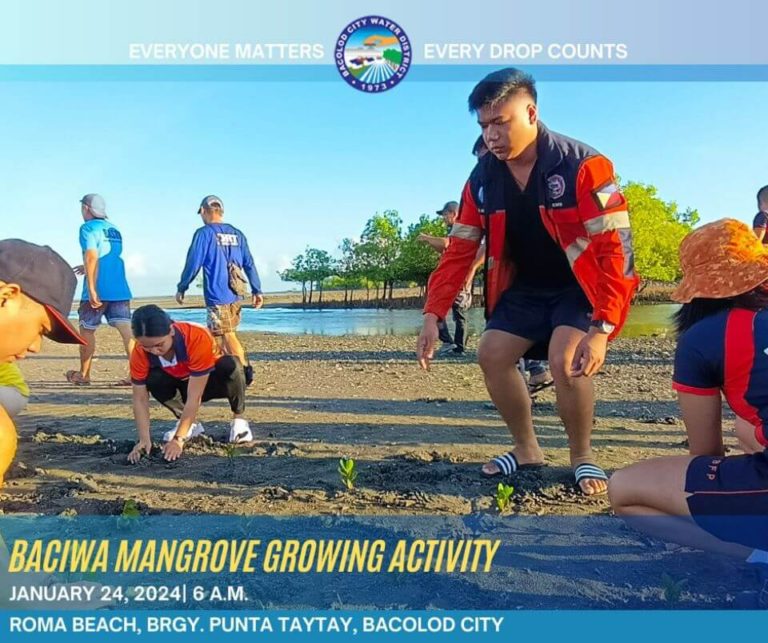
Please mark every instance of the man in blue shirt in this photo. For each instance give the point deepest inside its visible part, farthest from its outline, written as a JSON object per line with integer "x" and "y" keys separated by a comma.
{"x": 105, "y": 289}
{"x": 760, "y": 222}
{"x": 221, "y": 250}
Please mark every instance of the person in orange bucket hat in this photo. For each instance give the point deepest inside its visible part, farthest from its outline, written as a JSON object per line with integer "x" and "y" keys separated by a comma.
{"x": 707, "y": 499}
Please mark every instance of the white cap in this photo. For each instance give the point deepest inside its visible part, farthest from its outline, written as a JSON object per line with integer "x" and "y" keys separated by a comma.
{"x": 95, "y": 203}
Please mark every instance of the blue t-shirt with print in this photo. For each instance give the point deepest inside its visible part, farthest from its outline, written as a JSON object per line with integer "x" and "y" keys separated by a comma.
{"x": 103, "y": 237}
{"x": 213, "y": 247}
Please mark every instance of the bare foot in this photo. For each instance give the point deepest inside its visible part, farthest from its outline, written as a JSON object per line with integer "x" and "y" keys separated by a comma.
{"x": 590, "y": 486}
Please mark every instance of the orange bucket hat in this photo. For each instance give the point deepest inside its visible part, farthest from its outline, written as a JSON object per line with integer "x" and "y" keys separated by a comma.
{"x": 720, "y": 260}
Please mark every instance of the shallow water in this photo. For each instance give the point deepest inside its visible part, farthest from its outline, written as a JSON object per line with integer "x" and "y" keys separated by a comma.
{"x": 644, "y": 320}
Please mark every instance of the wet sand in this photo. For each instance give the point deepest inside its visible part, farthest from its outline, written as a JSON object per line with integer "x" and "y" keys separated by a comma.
{"x": 419, "y": 440}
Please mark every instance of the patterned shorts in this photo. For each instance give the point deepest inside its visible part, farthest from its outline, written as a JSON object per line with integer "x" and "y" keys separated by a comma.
{"x": 224, "y": 318}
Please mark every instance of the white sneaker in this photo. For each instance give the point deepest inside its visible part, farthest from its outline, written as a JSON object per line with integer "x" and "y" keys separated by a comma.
{"x": 196, "y": 429}
{"x": 240, "y": 431}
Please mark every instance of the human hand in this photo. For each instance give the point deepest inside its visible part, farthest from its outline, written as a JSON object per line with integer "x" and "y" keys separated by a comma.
{"x": 172, "y": 450}
{"x": 258, "y": 301}
{"x": 425, "y": 345}
{"x": 590, "y": 354}
{"x": 180, "y": 298}
{"x": 93, "y": 299}
{"x": 142, "y": 447}
{"x": 79, "y": 270}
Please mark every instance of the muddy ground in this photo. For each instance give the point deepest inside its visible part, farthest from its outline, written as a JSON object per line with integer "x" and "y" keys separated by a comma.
{"x": 418, "y": 438}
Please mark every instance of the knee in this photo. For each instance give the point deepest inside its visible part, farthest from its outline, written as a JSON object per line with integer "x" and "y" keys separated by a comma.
{"x": 491, "y": 359}
{"x": 619, "y": 489}
{"x": 560, "y": 367}
{"x": 228, "y": 365}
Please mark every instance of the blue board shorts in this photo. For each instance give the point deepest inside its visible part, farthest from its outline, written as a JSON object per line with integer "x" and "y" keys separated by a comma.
{"x": 534, "y": 314}
{"x": 115, "y": 312}
{"x": 729, "y": 497}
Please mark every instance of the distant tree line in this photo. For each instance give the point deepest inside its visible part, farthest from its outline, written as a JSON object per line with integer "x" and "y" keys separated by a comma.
{"x": 386, "y": 255}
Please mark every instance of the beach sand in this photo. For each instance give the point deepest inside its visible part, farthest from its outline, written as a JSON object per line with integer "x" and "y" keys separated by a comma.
{"x": 419, "y": 440}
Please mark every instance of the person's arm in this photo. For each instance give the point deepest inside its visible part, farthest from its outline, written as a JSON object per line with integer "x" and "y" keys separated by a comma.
{"x": 439, "y": 244}
{"x": 172, "y": 450}
{"x": 8, "y": 443}
{"x": 703, "y": 419}
{"x": 141, "y": 418}
{"x": 603, "y": 211}
{"x": 447, "y": 280}
{"x": 697, "y": 380}
{"x": 89, "y": 244}
{"x": 479, "y": 261}
{"x": 195, "y": 257}
{"x": 91, "y": 259}
{"x": 253, "y": 275}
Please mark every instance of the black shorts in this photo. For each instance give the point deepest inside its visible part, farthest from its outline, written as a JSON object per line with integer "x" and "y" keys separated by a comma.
{"x": 729, "y": 497}
{"x": 534, "y": 314}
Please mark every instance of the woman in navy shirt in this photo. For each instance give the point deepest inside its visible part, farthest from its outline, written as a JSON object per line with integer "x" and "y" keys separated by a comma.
{"x": 706, "y": 499}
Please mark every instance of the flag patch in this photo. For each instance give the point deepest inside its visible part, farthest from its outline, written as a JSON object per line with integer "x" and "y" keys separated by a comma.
{"x": 608, "y": 196}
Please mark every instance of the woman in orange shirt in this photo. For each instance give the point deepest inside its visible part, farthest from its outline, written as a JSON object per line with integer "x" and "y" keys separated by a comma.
{"x": 179, "y": 364}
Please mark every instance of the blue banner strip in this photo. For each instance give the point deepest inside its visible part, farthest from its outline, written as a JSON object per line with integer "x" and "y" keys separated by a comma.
{"x": 418, "y": 73}
{"x": 377, "y": 626}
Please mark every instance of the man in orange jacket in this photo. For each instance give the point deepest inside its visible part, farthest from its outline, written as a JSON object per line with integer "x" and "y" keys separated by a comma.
{"x": 559, "y": 269}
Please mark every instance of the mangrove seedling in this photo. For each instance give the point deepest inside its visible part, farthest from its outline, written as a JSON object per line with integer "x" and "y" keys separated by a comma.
{"x": 671, "y": 588}
{"x": 503, "y": 494}
{"x": 348, "y": 472}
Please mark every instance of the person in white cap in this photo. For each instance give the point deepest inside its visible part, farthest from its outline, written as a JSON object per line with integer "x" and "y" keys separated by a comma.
{"x": 106, "y": 293}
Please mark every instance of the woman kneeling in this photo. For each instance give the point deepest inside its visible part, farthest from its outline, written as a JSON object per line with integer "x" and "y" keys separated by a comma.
{"x": 705, "y": 499}
{"x": 180, "y": 365}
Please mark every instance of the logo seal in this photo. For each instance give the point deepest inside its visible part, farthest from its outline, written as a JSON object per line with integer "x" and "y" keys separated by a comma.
{"x": 373, "y": 54}
{"x": 556, "y": 186}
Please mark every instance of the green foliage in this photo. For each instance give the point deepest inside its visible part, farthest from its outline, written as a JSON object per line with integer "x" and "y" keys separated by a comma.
{"x": 393, "y": 56}
{"x": 130, "y": 510}
{"x": 130, "y": 515}
{"x": 657, "y": 231}
{"x": 348, "y": 472}
{"x": 232, "y": 451}
{"x": 671, "y": 588}
{"x": 417, "y": 260}
{"x": 503, "y": 494}
{"x": 384, "y": 254}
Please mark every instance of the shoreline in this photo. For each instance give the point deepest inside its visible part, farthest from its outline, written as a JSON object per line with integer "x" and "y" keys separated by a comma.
{"x": 405, "y": 298}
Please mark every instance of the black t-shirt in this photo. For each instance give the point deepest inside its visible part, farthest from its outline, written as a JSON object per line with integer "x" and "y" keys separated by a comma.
{"x": 540, "y": 262}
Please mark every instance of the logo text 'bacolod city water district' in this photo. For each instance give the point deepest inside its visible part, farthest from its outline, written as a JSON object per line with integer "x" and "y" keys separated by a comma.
{"x": 373, "y": 54}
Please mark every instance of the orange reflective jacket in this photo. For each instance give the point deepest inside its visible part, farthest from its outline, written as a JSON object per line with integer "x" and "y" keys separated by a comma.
{"x": 581, "y": 207}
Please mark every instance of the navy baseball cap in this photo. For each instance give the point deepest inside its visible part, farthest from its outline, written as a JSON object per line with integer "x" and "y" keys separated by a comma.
{"x": 43, "y": 275}
{"x": 209, "y": 202}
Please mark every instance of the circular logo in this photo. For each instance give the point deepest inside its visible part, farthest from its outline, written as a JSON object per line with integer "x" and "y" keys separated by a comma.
{"x": 556, "y": 186}
{"x": 373, "y": 54}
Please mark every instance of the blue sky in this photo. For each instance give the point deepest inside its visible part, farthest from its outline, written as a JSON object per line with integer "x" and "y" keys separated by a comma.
{"x": 307, "y": 163}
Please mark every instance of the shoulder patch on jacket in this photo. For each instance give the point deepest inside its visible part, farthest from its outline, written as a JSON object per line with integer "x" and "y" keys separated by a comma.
{"x": 608, "y": 196}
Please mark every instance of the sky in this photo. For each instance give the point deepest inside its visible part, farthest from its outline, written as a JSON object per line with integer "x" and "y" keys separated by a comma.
{"x": 302, "y": 164}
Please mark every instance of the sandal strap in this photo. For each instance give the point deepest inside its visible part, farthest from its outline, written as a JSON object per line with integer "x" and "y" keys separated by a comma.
{"x": 589, "y": 470}
{"x": 507, "y": 463}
